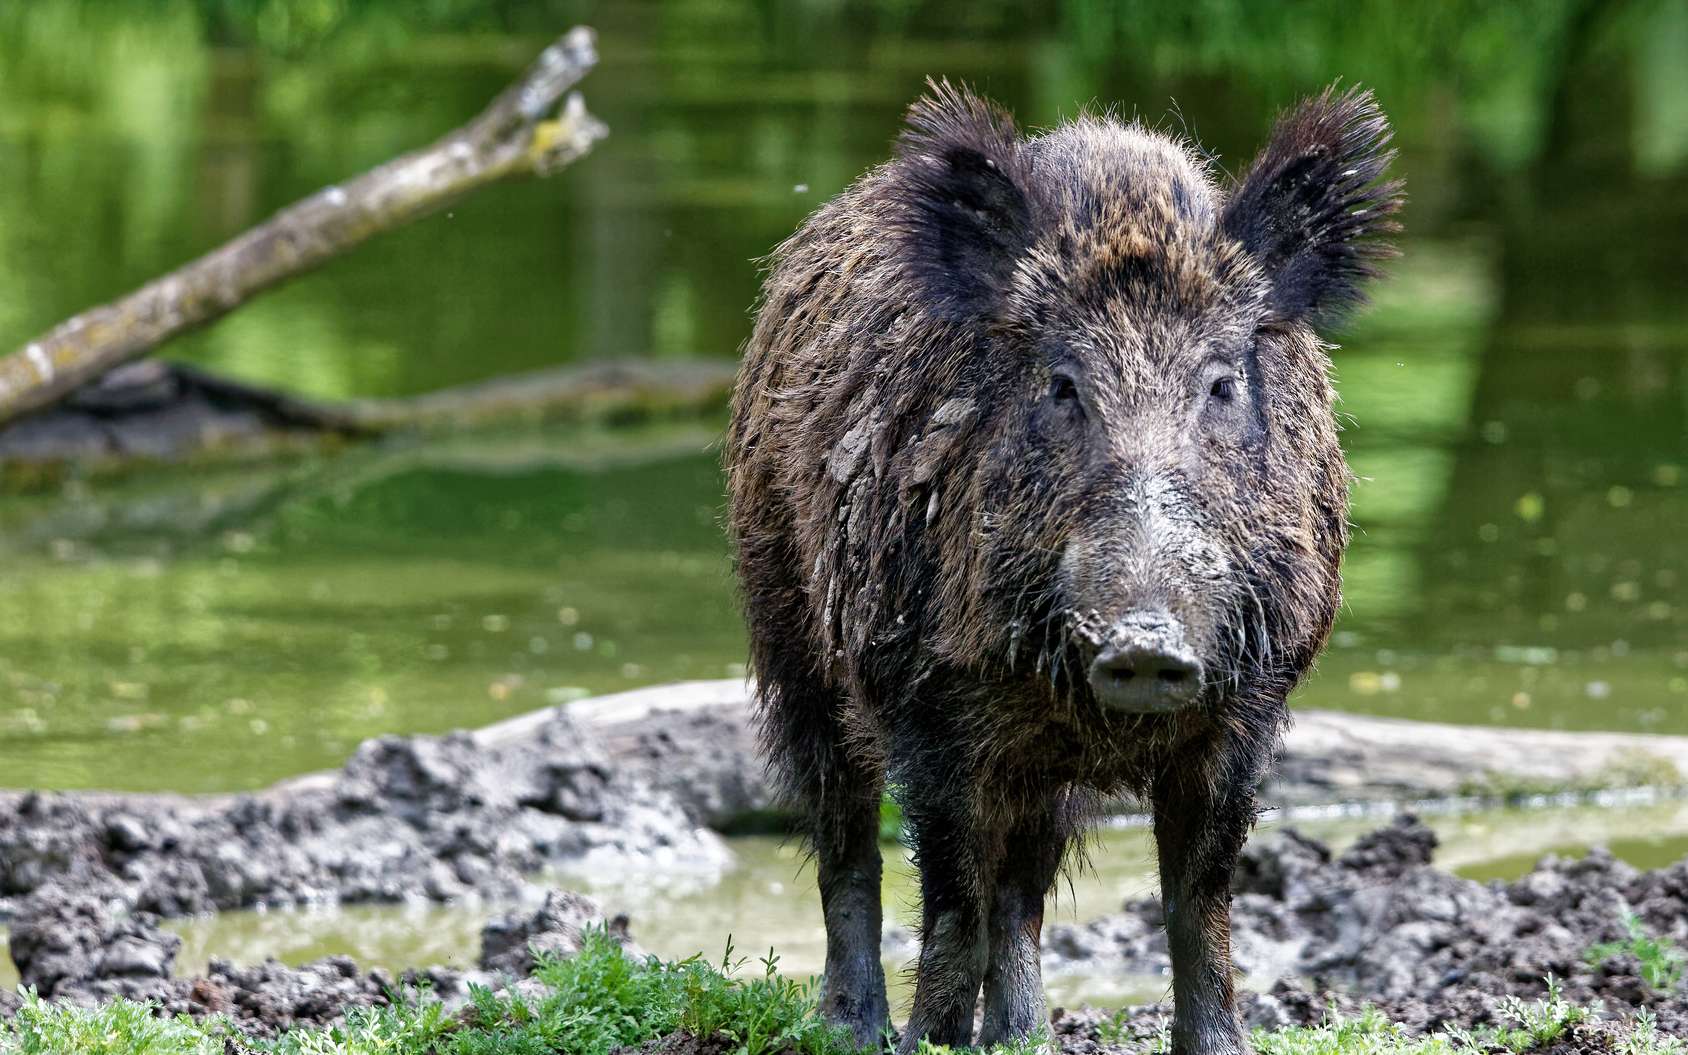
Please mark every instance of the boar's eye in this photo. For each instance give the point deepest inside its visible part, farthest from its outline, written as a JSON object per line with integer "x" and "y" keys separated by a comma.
{"x": 1063, "y": 389}
{"x": 1223, "y": 389}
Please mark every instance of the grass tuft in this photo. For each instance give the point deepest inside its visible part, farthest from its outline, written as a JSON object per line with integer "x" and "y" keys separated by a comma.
{"x": 602, "y": 1000}
{"x": 123, "y": 1027}
{"x": 1661, "y": 962}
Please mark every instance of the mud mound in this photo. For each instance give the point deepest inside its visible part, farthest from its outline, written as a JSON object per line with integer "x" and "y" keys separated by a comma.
{"x": 512, "y": 944}
{"x": 1378, "y": 924}
{"x": 1316, "y": 930}
{"x": 434, "y": 818}
{"x": 77, "y": 947}
{"x": 84, "y": 950}
{"x": 1143, "y": 1031}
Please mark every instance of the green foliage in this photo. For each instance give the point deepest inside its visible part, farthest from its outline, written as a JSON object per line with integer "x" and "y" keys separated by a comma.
{"x": 762, "y": 1015}
{"x": 1530, "y": 1026}
{"x": 1533, "y": 1024}
{"x": 602, "y": 1000}
{"x": 890, "y": 820}
{"x": 1367, "y": 1033}
{"x": 123, "y": 1027}
{"x": 1644, "y": 1039}
{"x": 1035, "y": 1043}
{"x": 1661, "y": 961}
{"x": 412, "y": 1027}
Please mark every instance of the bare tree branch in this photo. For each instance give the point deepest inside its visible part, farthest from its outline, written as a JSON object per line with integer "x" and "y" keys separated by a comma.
{"x": 512, "y": 137}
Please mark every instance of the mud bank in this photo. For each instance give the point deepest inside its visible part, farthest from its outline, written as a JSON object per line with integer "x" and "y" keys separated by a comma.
{"x": 1379, "y": 924}
{"x": 1315, "y": 931}
{"x": 79, "y": 949}
{"x": 700, "y": 731}
{"x": 638, "y": 780}
{"x": 434, "y": 818}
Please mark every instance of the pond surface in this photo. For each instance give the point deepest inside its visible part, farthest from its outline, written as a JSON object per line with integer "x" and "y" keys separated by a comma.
{"x": 1515, "y": 401}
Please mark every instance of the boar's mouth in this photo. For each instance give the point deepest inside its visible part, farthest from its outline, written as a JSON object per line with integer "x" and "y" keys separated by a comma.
{"x": 1145, "y": 665}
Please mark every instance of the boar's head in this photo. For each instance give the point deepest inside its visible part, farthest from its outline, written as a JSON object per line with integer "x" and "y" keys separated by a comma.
{"x": 1155, "y": 498}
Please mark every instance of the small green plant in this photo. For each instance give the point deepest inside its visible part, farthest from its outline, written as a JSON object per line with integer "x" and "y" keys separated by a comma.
{"x": 122, "y": 1027}
{"x": 1036, "y": 1042}
{"x": 1536, "y": 1023}
{"x": 762, "y": 1015}
{"x": 1530, "y": 1026}
{"x": 1116, "y": 1031}
{"x": 1661, "y": 962}
{"x": 1367, "y": 1032}
{"x": 1113, "y": 1029}
{"x": 1644, "y": 1039}
{"x": 403, "y": 1029}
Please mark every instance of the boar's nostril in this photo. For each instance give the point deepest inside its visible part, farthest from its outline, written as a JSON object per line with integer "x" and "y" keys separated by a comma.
{"x": 1146, "y": 672}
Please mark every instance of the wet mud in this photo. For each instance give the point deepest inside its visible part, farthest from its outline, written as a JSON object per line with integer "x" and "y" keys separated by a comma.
{"x": 1379, "y": 924}
{"x": 1315, "y": 931}
{"x": 423, "y": 818}
{"x": 645, "y": 784}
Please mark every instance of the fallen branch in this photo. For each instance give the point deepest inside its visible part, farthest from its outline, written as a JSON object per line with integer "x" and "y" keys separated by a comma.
{"x": 158, "y": 411}
{"x": 512, "y": 137}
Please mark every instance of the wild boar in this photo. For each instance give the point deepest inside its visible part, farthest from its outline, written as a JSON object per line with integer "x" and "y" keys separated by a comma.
{"x": 1037, "y": 500}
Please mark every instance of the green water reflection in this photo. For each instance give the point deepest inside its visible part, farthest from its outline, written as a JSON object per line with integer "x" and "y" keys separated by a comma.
{"x": 1516, "y": 402}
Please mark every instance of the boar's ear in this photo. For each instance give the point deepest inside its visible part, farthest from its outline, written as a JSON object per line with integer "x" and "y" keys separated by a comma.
{"x": 1310, "y": 208}
{"x": 963, "y": 213}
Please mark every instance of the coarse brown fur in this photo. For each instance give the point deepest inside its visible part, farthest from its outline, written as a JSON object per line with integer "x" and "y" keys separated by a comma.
{"x": 1005, "y": 395}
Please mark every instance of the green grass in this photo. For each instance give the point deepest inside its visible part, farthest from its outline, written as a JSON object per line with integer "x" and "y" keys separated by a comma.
{"x": 1661, "y": 962}
{"x": 589, "y": 1004}
{"x": 602, "y": 1000}
{"x": 1527, "y": 1026}
{"x": 122, "y": 1027}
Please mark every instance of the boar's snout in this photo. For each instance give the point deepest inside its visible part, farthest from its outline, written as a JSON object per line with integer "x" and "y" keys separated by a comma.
{"x": 1146, "y": 666}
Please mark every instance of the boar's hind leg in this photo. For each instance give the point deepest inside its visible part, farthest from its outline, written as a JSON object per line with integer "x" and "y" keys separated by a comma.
{"x": 839, "y": 798}
{"x": 848, "y": 866}
{"x": 1201, "y": 821}
{"x": 1014, "y": 1003}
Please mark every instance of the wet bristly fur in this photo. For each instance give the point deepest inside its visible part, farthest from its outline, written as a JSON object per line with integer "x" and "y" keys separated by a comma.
{"x": 974, "y": 376}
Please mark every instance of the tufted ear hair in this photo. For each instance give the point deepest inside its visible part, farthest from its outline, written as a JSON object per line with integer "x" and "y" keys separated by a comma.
{"x": 1310, "y": 207}
{"x": 965, "y": 215}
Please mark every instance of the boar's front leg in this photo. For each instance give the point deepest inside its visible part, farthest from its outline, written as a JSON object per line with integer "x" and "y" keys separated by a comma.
{"x": 1202, "y": 817}
{"x": 954, "y": 884}
{"x": 1014, "y": 1004}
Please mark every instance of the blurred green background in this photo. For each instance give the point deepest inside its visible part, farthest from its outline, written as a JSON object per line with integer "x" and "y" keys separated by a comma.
{"x": 1515, "y": 402}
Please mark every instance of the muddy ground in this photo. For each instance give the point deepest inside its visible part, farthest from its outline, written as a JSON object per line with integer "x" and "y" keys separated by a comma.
{"x": 427, "y": 818}
{"x": 1377, "y": 923}
{"x": 1380, "y": 924}
{"x": 79, "y": 948}
{"x": 642, "y": 783}
{"x": 645, "y": 780}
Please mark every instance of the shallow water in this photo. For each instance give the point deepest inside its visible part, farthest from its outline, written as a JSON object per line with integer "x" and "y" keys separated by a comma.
{"x": 768, "y": 899}
{"x": 1516, "y": 401}
{"x": 225, "y": 628}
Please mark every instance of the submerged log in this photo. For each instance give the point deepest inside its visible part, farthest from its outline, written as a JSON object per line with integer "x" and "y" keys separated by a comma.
{"x": 158, "y": 411}
{"x": 523, "y": 132}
